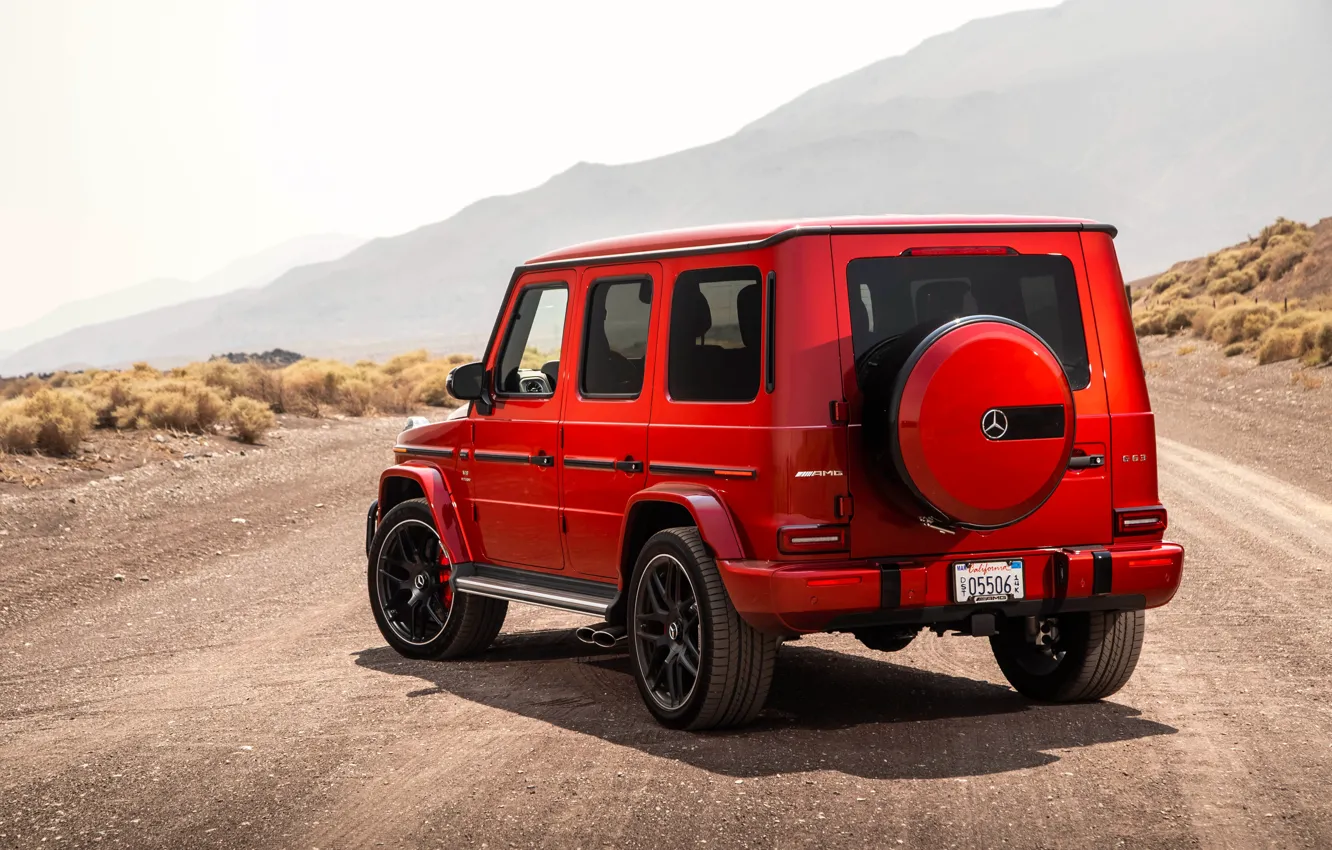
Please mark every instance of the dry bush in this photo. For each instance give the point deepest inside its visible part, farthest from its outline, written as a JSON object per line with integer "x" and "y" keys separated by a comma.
{"x": 309, "y": 387}
{"x": 402, "y": 362}
{"x": 18, "y": 431}
{"x": 1239, "y": 281}
{"x": 1185, "y": 350}
{"x": 1279, "y": 344}
{"x": 250, "y": 419}
{"x": 1297, "y": 319}
{"x": 356, "y": 397}
{"x": 174, "y": 404}
{"x": 1316, "y": 342}
{"x": 1233, "y": 350}
{"x": 1165, "y": 281}
{"x": 53, "y": 421}
{"x": 1240, "y": 322}
{"x": 1149, "y": 324}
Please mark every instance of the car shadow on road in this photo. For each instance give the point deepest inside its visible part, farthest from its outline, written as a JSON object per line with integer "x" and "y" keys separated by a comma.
{"x": 827, "y": 711}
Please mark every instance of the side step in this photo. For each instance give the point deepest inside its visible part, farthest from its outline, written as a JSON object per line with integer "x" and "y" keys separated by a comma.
{"x": 576, "y": 595}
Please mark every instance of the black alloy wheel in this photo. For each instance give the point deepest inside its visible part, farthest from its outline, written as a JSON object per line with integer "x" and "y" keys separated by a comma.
{"x": 411, "y": 595}
{"x": 669, "y": 634}
{"x": 413, "y": 582}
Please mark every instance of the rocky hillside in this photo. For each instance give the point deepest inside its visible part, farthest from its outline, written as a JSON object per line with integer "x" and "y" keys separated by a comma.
{"x": 1270, "y": 295}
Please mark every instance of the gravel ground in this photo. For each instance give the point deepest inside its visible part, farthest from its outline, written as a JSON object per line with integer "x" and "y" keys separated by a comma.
{"x": 230, "y": 690}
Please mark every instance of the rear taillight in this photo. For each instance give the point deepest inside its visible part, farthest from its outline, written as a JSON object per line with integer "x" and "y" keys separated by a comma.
{"x": 806, "y": 539}
{"x": 959, "y": 251}
{"x": 1140, "y": 521}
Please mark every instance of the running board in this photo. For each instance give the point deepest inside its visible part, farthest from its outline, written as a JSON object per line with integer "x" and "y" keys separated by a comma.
{"x": 578, "y": 596}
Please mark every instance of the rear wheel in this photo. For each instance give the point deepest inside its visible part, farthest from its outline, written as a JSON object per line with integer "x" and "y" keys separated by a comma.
{"x": 411, "y": 596}
{"x": 1087, "y": 656}
{"x": 697, "y": 664}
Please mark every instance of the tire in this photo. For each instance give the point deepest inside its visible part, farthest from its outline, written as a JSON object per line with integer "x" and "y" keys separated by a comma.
{"x": 448, "y": 625}
{"x": 1093, "y": 657}
{"x": 733, "y": 661}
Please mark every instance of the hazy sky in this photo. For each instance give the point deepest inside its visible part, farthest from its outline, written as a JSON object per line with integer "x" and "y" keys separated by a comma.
{"x": 165, "y": 138}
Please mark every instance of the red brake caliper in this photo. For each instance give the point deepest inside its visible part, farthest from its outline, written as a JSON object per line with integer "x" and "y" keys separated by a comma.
{"x": 445, "y": 571}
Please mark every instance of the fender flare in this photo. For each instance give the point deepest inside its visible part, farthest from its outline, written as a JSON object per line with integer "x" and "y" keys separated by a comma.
{"x": 710, "y": 514}
{"x": 440, "y": 500}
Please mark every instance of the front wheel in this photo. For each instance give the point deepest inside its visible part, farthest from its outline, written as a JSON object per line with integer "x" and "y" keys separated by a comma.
{"x": 1087, "y": 656}
{"x": 411, "y": 595}
{"x": 697, "y": 664}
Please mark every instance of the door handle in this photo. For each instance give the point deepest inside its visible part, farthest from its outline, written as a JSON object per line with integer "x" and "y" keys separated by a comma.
{"x": 542, "y": 460}
{"x": 629, "y": 465}
{"x": 1086, "y": 461}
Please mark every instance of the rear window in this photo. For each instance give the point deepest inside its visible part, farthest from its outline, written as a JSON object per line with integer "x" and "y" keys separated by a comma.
{"x": 892, "y": 295}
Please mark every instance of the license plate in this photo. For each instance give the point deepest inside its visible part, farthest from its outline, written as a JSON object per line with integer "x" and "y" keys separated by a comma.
{"x": 987, "y": 581}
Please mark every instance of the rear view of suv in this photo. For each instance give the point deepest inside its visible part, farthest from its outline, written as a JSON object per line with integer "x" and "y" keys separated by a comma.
{"x": 712, "y": 440}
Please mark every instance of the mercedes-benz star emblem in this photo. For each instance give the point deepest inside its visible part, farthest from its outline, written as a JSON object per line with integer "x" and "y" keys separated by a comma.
{"x": 994, "y": 424}
{"x": 420, "y": 580}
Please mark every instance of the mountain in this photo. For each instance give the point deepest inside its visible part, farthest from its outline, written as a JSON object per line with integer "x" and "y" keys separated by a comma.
{"x": 1188, "y": 123}
{"x": 255, "y": 270}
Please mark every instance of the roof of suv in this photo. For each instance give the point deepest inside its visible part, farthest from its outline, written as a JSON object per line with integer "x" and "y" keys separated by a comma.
{"x": 749, "y": 233}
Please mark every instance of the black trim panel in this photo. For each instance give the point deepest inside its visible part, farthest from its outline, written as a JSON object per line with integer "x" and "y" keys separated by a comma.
{"x": 590, "y": 463}
{"x": 422, "y": 450}
{"x": 962, "y": 613}
{"x": 770, "y": 357}
{"x": 580, "y": 596}
{"x": 501, "y": 457}
{"x": 709, "y": 471}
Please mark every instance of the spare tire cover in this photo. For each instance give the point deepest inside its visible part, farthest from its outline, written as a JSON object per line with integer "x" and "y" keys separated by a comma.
{"x": 980, "y": 423}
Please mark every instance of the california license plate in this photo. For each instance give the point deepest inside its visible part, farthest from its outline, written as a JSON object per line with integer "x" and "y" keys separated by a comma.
{"x": 987, "y": 581}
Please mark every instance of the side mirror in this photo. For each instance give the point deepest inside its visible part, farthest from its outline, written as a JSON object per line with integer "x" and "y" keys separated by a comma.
{"x": 466, "y": 381}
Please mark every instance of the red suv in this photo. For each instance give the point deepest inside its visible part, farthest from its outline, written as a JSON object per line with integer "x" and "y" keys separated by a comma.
{"x": 715, "y": 439}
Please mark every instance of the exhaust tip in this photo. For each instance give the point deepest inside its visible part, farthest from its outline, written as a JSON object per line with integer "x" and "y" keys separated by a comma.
{"x": 608, "y": 638}
{"x": 586, "y": 634}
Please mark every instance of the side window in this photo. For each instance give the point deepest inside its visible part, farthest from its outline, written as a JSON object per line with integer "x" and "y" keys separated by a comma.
{"x": 716, "y": 333}
{"x": 529, "y": 361}
{"x": 615, "y": 340}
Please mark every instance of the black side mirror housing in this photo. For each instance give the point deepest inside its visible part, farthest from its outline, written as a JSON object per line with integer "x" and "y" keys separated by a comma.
{"x": 465, "y": 382}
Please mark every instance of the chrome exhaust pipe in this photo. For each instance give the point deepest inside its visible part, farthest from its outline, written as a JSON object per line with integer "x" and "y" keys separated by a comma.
{"x": 609, "y": 637}
{"x": 587, "y": 634}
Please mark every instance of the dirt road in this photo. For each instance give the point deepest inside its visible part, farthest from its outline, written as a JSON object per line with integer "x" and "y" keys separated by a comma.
{"x": 241, "y": 696}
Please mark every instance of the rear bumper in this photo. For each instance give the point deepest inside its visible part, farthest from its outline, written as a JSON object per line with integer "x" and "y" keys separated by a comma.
{"x": 793, "y": 598}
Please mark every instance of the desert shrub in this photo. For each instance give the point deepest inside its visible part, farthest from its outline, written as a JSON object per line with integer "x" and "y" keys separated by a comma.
{"x": 176, "y": 404}
{"x": 1165, "y": 281}
{"x": 1240, "y": 280}
{"x": 19, "y": 387}
{"x": 311, "y": 386}
{"x": 250, "y": 419}
{"x": 397, "y": 365}
{"x": 1202, "y": 314}
{"x": 18, "y": 431}
{"x": 1296, "y": 319}
{"x": 1240, "y": 322}
{"x": 1150, "y": 323}
{"x": 1233, "y": 350}
{"x": 1279, "y": 344}
{"x": 1185, "y": 350}
{"x": 1283, "y": 259}
{"x": 53, "y": 421}
{"x": 356, "y": 397}
{"x": 1181, "y": 317}
{"x": 1316, "y": 342}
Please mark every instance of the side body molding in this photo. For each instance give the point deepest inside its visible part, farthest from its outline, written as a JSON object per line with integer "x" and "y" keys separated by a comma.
{"x": 437, "y": 495}
{"x": 704, "y": 505}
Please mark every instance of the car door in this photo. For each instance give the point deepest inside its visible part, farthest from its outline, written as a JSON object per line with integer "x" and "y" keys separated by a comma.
{"x": 606, "y": 411}
{"x": 514, "y": 481}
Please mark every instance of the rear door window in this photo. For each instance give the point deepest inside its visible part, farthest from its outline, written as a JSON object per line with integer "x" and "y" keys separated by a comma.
{"x": 716, "y": 331}
{"x": 892, "y": 295}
